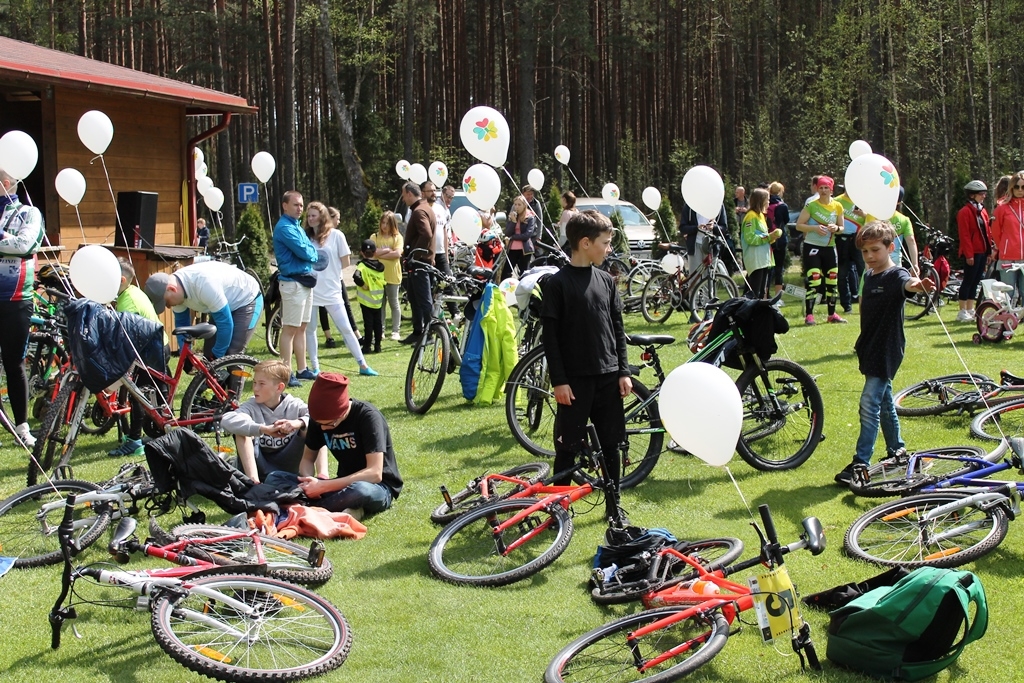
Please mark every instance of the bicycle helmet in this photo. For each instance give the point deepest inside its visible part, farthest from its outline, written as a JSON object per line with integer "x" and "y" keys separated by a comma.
{"x": 975, "y": 186}
{"x": 487, "y": 236}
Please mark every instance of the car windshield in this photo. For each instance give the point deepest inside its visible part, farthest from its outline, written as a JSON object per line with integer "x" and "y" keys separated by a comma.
{"x": 630, "y": 214}
{"x": 459, "y": 201}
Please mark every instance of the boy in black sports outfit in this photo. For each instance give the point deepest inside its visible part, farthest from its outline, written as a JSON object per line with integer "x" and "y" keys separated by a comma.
{"x": 585, "y": 344}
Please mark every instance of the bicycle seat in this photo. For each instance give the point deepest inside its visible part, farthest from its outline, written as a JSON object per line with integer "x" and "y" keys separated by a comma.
{"x": 200, "y": 331}
{"x": 650, "y": 339}
{"x": 676, "y": 248}
{"x": 479, "y": 273}
{"x": 1006, "y": 377}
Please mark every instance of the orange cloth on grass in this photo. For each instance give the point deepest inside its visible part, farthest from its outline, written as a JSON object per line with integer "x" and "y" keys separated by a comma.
{"x": 309, "y": 522}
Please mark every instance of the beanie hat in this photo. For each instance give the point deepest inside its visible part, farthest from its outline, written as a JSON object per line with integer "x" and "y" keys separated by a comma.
{"x": 328, "y": 399}
{"x": 825, "y": 180}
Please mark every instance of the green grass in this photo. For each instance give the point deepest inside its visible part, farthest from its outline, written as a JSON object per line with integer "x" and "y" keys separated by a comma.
{"x": 409, "y": 626}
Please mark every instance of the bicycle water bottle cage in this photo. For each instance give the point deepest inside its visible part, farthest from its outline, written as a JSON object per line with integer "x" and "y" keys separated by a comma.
{"x": 200, "y": 331}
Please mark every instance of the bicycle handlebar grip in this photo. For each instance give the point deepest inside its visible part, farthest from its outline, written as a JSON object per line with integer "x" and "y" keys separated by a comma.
{"x": 769, "y": 524}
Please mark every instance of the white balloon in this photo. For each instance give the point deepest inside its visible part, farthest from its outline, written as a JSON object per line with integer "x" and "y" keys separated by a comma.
{"x": 418, "y": 174}
{"x": 95, "y": 273}
{"x": 859, "y": 148}
{"x": 873, "y": 184}
{"x": 201, "y": 169}
{"x": 671, "y": 263}
{"x": 263, "y": 166}
{"x": 214, "y": 198}
{"x": 204, "y": 184}
{"x": 536, "y": 178}
{"x": 438, "y": 173}
{"x": 95, "y": 131}
{"x": 562, "y": 154}
{"x": 610, "y": 192}
{"x": 652, "y": 198}
{"x": 466, "y": 224}
{"x": 485, "y": 135}
{"x": 18, "y": 154}
{"x": 482, "y": 186}
{"x": 402, "y": 168}
{"x": 702, "y": 411}
{"x": 70, "y": 185}
{"x": 197, "y": 154}
{"x": 703, "y": 191}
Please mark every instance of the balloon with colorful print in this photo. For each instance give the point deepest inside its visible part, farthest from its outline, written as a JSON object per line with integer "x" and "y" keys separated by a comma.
{"x": 466, "y": 224}
{"x": 70, "y": 184}
{"x": 403, "y": 168}
{"x": 873, "y": 183}
{"x": 562, "y": 154}
{"x": 263, "y": 166}
{"x": 95, "y": 131}
{"x": 859, "y": 148}
{"x": 204, "y": 184}
{"x": 703, "y": 191}
{"x": 438, "y": 173}
{"x": 485, "y": 135}
{"x": 536, "y": 179}
{"x": 610, "y": 192}
{"x": 18, "y": 154}
{"x": 482, "y": 186}
{"x": 652, "y": 198}
{"x": 706, "y": 422}
{"x": 418, "y": 174}
{"x": 197, "y": 154}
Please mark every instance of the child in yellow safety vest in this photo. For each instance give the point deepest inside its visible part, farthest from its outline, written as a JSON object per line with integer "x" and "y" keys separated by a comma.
{"x": 369, "y": 279}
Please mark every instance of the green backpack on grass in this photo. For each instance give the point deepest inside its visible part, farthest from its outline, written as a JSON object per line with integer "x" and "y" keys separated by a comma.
{"x": 910, "y": 630}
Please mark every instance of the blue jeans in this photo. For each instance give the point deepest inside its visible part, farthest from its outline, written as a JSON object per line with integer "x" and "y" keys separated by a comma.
{"x": 876, "y": 405}
{"x": 361, "y": 494}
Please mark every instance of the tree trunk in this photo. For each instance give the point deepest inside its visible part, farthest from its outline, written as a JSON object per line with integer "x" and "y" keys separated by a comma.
{"x": 525, "y": 133}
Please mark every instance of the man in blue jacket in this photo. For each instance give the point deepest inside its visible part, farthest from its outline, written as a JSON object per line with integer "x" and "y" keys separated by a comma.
{"x": 295, "y": 255}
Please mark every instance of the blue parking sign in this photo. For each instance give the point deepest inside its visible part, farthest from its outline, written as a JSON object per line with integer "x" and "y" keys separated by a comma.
{"x": 248, "y": 193}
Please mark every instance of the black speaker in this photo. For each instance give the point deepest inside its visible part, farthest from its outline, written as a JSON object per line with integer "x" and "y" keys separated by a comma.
{"x": 136, "y": 213}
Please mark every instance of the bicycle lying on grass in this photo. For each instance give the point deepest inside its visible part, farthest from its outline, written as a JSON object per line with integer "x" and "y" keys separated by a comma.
{"x": 906, "y": 473}
{"x": 230, "y": 625}
{"x": 693, "y": 621}
{"x": 962, "y": 393}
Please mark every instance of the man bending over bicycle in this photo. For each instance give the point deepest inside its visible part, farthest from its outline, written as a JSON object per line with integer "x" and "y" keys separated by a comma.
{"x": 585, "y": 344}
{"x": 357, "y": 435}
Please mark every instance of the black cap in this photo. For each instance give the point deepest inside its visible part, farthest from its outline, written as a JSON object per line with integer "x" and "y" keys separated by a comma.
{"x": 368, "y": 247}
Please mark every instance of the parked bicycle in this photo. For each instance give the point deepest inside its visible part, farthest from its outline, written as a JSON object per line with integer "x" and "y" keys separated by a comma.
{"x": 232, "y": 627}
{"x": 905, "y": 473}
{"x": 997, "y": 316}
{"x": 678, "y": 291}
{"x": 691, "y": 622}
{"x": 921, "y": 304}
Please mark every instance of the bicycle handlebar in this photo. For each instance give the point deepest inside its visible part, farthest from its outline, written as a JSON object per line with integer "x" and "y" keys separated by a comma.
{"x": 223, "y": 245}
{"x": 59, "y": 614}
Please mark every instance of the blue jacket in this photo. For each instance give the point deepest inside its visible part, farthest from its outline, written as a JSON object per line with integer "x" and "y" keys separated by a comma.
{"x": 293, "y": 249}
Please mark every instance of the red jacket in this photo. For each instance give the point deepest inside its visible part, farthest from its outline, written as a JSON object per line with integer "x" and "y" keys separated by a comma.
{"x": 972, "y": 239}
{"x": 1008, "y": 230}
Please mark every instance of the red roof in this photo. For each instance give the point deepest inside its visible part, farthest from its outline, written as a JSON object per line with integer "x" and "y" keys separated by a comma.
{"x": 25, "y": 62}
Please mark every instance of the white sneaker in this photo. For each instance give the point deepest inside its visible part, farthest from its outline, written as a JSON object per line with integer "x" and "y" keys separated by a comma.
{"x": 964, "y": 316}
{"x": 396, "y": 336}
{"x": 25, "y": 435}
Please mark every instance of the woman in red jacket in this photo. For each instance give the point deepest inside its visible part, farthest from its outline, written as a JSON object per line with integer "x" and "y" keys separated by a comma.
{"x": 975, "y": 246}
{"x": 1008, "y": 234}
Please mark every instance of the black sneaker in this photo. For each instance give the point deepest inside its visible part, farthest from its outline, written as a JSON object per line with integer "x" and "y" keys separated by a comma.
{"x": 844, "y": 477}
{"x": 412, "y": 338}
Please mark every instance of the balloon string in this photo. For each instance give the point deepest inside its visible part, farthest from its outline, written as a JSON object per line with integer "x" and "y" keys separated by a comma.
{"x": 545, "y": 229}
{"x": 117, "y": 217}
{"x": 583, "y": 189}
{"x": 80, "y": 226}
{"x": 270, "y": 222}
{"x": 735, "y": 484}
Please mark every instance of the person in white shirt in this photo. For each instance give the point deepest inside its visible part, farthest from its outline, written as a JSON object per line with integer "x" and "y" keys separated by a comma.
{"x": 442, "y": 236}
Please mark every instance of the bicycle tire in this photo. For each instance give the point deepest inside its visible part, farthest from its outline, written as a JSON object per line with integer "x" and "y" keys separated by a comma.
{"x": 605, "y": 654}
{"x": 428, "y": 367}
{"x": 778, "y": 434}
{"x": 710, "y": 289}
{"x": 1004, "y": 420}
{"x": 58, "y": 431}
{"x": 273, "y": 331}
{"x": 644, "y": 435}
{"x": 284, "y": 560}
{"x": 638, "y": 277}
{"x": 711, "y": 553}
{"x": 660, "y": 297}
{"x": 890, "y": 476}
{"x": 259, "y": 281}
{"x": 891, "y": 535}
{"x": 530, "y": 405}
{"x": 464, "y": 553}
{"x": 234, "y": 374}
{"x": 292, "y": 634}
{"x": 941, "y": 394}
{"x": 988, "y": 327}
{"x": 470, "y": 497}
{"x": 922, "y": 303}
{"x": 31, "y": 538}
{"x": 619, "y": 270}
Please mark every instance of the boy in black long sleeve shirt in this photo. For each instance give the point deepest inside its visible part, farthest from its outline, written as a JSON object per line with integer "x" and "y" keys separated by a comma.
{"x": 585, "y": 344}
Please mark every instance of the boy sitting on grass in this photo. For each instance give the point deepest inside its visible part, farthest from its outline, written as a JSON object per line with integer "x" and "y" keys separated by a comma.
{"x": 269, "y": 428}
{"x": 881, "y": 343}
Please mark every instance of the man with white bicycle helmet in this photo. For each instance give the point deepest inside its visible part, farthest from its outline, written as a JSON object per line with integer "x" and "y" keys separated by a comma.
{"x": 975, "y": 246}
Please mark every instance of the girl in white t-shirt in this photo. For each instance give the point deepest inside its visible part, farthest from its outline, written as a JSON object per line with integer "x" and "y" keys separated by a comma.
{"x": 329, "y": 291}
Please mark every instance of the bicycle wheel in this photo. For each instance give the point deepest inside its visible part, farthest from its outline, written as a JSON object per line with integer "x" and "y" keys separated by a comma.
{"x": 284, "y": 560}
{"x": 638, "y": 277}
{"x": 609, "y": 653}
{"x": 97, "y": 422}
{"x": 619, "y": 270}
{"x": 942, "y": 394}
{"x": 783, "y": 415}
{"x": 712, "y": 554}
{"x": 530, "y": 405}
{"x": 290, "y": 632}
{"x": 471, "y": 498}
{"x": 660, "y": 297}
{"x": 273, "y": 333}
{"x": 645, "y": 437}
{"x": 233, "y": 374}
{"x": 255, "y": 276}
{"x": 29, "y": 534}
{"x": 892, "y": 477}
{"x": 709, "y": 289}
{"x": 468, "y": 552}
{"x": 1004, "y": 420}
{"x": 59, "y": 429}
{"x": 894, "y": 534}
{"x": 989, "y": 327}
{"x": 922, "y": 303}
{"x": 428, "y": 367}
